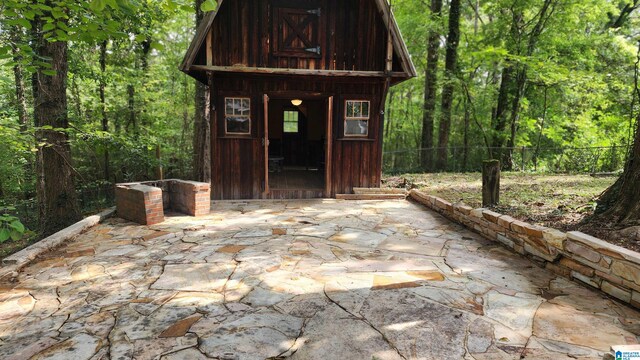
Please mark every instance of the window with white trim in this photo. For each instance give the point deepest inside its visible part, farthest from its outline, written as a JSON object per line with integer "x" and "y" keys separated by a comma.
{"x": 237, "y": 116}
{"x": 356, "y": 118}
{"x": 291, "y": 125}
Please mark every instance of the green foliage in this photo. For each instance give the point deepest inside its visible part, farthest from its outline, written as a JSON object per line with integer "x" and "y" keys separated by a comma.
{"x": 584, "y": 67}
{"x": 11, "y": 228}
{"x": 145, "y": 41}
{"x": 209, "y": 5}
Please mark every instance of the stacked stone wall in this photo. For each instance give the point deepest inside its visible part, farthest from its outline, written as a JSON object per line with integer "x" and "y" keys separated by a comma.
{"x": 575, "y": 255}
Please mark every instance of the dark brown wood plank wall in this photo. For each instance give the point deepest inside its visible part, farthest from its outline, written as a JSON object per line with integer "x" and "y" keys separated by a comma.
{"x": 237, "y": 162}
{"x": 352, "y": 36}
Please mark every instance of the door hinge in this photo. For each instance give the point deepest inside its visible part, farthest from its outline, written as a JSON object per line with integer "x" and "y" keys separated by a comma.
{"x": 315, "y": 50}
{"x": 315, "y": 12}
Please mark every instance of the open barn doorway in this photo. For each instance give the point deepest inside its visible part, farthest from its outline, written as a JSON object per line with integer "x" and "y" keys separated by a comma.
{"x": 297, "y": 145}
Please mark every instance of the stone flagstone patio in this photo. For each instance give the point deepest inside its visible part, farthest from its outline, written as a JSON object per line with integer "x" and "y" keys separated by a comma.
{"x": 321, "y": 279}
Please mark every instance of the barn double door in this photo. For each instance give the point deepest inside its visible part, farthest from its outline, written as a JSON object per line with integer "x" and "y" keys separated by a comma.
{"x": 268, "y": 192}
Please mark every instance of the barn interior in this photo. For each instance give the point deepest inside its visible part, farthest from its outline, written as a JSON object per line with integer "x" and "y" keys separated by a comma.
{"x": 297, "y": 144}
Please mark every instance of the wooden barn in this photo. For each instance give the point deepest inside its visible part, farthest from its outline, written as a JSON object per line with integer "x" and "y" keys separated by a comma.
{"x": 297, "y": 94}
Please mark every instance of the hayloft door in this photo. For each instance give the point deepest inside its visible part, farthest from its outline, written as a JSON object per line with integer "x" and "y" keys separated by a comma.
{"x": 265, "y": 143}
{"x": 329, "y": 151}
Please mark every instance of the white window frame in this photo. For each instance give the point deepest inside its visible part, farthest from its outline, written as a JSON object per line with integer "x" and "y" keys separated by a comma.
{"x": 237, "y": 115}
{"x": 366, "y": 118}
{"x": 284, "y": 122}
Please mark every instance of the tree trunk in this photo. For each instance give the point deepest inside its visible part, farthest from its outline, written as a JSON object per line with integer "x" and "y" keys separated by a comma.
{"x": 544, "y": 119}
{"x": 201, "y": 128}
{"x": 621, "y": 202}
{"x": 431, "y": 78}
{"x": 21, "y": 100}
{"x": 144, "y": 60}
{"x": 500, "y": 114}
{"x": 520, "y": 86}
{"x": 451, "y": 63}
{"x": 131, "y": 91}
{"x": 103, "y": 104}
{"x": 465, "y": 136}
{"x": 506, "y": 92}
{"x": 77, "y": 102}
{"x": 57, "y": 202}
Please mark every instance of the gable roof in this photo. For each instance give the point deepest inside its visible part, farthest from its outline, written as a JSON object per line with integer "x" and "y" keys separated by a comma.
{"x": 399, "y": 46}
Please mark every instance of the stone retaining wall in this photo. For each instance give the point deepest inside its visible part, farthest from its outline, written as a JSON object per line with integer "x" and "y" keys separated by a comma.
{"x": 607, "y": 267}
{"x": 14, "y": 263}
{"x": 146, "y": 202}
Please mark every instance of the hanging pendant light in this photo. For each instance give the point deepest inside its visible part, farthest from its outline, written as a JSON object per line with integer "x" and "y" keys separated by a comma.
{"x": 296, "y": 102}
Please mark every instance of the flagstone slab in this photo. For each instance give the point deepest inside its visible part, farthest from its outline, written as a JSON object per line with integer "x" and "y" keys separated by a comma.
{"x": 325, "y": 335}
{"x": 418, "y": 245}
{"x": 568, "y": 325}
{"x": 263, "y": 297}
{"x": 254, "y": 336}
{"x": 406, "y": 321}
{"x": 514, "y": 312}
{"x": 193, "y": 277}
{"x": 80, "y": 347}
{"x": 15, "y": 304}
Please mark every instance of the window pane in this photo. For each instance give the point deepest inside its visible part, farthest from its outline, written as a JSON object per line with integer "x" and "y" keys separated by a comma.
{"x": 356, "y": 127}
{"x": 290, "y": 121}
{"x": 365, "y": 109}
{"x": 291, "y": 127}
{"x": 246, "y": 107}
{"x": 349, "y": 108}
{"x": 238, "y": 125}
{"x": 228, "y": 106}
{"x": 357, "y": 109}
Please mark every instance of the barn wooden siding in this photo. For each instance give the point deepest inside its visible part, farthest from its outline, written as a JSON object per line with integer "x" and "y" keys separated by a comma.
{"x": 352, "y": 36}
{"x": 238, "y": 161}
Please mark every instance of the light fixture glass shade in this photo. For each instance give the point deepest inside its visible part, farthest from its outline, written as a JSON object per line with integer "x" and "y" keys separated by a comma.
{"x": 296, "y": 102}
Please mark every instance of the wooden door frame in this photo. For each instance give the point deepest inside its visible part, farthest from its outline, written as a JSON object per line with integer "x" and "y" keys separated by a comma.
{"x": 328, "y": 153}
{"x": 265, "y": 142}
{"x": 305, "y": 96}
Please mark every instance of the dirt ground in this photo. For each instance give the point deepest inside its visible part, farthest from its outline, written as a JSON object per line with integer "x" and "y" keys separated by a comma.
{"x": 558, "y": 201}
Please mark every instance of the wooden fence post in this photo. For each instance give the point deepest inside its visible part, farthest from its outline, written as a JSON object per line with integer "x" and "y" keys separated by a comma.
{"x": 490, "y": 182}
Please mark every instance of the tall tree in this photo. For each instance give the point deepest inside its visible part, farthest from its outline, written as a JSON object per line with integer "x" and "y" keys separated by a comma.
{"x": 521, "y": 79}
{"x": 430, "y": 82}
{"x": 102, "y": 84}
{"x": 201, "y": 129}
{"x": 524, "y": 35}
{"x": 57, "y": 201}
{"x": 16, "y": 36}
{"x": 451, "y": 65}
